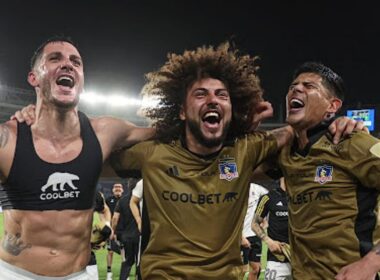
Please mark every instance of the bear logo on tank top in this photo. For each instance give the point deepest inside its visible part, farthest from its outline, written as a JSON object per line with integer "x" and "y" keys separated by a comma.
{"x": 60, "y": 186}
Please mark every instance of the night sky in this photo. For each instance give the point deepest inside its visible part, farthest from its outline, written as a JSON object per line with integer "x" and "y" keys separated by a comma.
{"x": 120, "y": 41}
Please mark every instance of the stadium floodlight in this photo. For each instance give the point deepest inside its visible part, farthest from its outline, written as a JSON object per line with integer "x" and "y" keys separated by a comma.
{"x": 92, "y": 97}
{"x": 116, "y": 100}
{"x": 149, "y": 102}
{"x": 120, "y": 100}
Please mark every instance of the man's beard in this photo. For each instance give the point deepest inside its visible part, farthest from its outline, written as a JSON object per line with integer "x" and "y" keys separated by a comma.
{"x": 47, "y": 93}
{"x": 209, "y": 143}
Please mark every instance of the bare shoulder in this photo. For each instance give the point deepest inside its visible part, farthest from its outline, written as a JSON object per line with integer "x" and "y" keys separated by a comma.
{"x": 8, "y": 131}
{"x": 113, "y": 133}
{"x": 108, "y": 123}
{"x": 119, "y": 133}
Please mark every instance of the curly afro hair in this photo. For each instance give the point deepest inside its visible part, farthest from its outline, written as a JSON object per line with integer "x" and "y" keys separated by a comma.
{"x": 170, "y": 84}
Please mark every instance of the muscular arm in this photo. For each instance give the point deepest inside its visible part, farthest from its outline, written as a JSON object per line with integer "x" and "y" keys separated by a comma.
{"x": 257, "y": 228}
{"x": 341, "y": 127}
{"x": 8, "y": 132}
{"x": 4, "y": 135}
{"x": 133, "y": 204}
{"x": 273, "y": 245}
{"x": 283, "y": 135}
{"x": 115, "y": 133}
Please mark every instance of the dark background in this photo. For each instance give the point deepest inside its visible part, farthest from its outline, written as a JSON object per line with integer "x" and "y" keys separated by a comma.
{"x": 120, "y": 41}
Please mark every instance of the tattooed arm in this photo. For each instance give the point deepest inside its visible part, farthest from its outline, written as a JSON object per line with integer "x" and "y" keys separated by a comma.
{"x": 261, "y": 212}
{"x": 257, "y": 228}
{"x": 273, "y": 245}
{"x": 6, "y": 152}
{"x": 8, "y": 132}
{"x": 283, "y": 135}
{"x": 364, "y": 269}
{"x": 341, "y": 127}
{"x": 4, "y": 135}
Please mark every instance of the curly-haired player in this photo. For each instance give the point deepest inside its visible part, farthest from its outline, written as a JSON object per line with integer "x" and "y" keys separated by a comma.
{"x": 171, "y": 82}
{"x": 196, "y": 174}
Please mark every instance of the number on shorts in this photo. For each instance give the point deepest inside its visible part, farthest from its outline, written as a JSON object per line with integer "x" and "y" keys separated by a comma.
{"x": 270, "y": 274}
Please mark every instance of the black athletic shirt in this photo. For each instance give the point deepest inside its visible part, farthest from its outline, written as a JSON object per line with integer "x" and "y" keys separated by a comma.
{"x": 34, "y": 184}
{"x": 126, "y": 227}
{"x": 275, "y": 205}
{"x": 111, "y": 202}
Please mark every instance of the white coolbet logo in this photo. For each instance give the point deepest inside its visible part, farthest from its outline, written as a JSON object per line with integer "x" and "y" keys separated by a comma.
{"x": 56, "y": 184}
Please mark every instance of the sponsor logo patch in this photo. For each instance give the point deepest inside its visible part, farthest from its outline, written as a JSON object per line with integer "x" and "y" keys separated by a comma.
{"x": 55, "y": 187}
{"x": 323, "y": 174}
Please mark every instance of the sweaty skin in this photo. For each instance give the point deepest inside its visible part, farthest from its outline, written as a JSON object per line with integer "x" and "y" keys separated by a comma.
{"x": 56, "y": 243}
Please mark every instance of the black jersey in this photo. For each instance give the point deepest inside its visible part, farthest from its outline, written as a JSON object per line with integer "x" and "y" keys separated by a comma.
{"x": 275, "y": 205}
{"x": 34, "y": 184}
{"x": 111, "y": 202}
{"x": 126, "y": 227}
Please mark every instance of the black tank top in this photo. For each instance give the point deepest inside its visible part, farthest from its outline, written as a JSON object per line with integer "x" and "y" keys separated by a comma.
{"x": 34, "y": 184}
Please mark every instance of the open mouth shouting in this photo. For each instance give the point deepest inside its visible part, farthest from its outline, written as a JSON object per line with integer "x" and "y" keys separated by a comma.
{"x": 296, "y": 105}
{"x": 211, "y": 119}
{"x": 65, "y": 81}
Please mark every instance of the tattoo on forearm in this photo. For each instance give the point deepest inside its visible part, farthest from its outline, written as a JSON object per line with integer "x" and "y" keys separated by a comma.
{"x": 260, "y": 232}
{"x": 13, "y": 244}
{"x": 4, "y": 135}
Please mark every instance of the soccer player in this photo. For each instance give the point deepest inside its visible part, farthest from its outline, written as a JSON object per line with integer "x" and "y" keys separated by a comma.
{"x": 251, "y": 244}
{"x": 127, "y": 233}
{"x": 49, "y": 170}
{"x": 112, "y": 246}
{"x": 332, "y": 188}
{"x": 196, "y": 174}
{"x": 274, "y": 207}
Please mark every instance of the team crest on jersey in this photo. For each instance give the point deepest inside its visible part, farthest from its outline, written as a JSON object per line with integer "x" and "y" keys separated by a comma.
{"x": 323, "y": 174}
{"x": 228, "y": 170}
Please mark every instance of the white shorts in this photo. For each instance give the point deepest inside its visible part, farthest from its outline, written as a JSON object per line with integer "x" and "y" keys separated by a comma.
{"x": 8, "y": 272}
{"x": 278, "y": 271}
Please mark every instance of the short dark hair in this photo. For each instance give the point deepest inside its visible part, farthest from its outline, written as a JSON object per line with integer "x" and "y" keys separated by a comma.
{"x": 329, "y": 78}
{"x": 38, "y": 52}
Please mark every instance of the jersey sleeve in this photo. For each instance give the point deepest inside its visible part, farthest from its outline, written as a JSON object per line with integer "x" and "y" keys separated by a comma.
{"x": 363, "y": 153}
{"x": 261, "y": 146}
{"x": 263, "y": 190}
{"x": 138, "y": 190}
{"x": 129, "y": 162}
{"x": 262, "y": 208}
